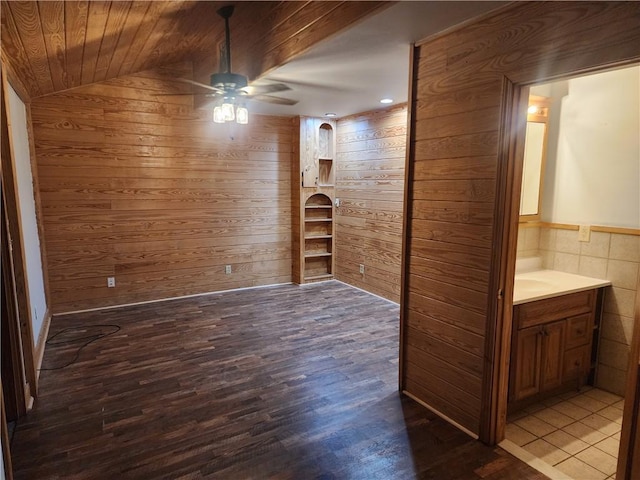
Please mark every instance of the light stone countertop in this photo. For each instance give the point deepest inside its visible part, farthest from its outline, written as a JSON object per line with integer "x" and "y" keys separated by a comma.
{"x": 541, "y": 284}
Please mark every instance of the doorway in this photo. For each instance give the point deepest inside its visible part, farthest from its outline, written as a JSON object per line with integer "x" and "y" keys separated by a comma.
{"x": 588, "y": 226}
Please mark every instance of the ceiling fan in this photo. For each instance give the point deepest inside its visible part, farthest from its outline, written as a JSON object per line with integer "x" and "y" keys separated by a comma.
{"x": 232, "y": 88}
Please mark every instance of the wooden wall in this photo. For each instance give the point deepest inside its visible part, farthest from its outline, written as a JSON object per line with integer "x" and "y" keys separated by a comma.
{"x": 147, "y": 189}
{"x": 458, "y": 190}
{"x": 370, "y": 160}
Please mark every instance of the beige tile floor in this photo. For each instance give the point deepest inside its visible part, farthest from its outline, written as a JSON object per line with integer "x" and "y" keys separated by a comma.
{"x": 577, "y": 433}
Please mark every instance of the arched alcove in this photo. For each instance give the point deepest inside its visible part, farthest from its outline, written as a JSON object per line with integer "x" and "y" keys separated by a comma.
{"x": 318, "y": 237}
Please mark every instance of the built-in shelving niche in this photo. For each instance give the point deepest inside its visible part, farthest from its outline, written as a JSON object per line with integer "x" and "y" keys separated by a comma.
{"x": 326, "y": 171}
{"x": 318, "y": 238}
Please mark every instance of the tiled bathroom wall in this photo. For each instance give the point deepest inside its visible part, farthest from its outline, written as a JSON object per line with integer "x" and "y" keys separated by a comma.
{"x": 610, "y": 256}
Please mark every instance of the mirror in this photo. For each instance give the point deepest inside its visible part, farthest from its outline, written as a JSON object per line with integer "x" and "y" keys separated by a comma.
{"x": 534, "y": 159}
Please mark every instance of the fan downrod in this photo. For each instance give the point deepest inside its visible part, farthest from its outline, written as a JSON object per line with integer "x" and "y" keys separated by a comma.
{"x": 226, "y": 11}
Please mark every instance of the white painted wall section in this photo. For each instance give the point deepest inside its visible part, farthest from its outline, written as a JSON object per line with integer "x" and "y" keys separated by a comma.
{"x": 31, "y": 240}
{"x": 593, "y": 151}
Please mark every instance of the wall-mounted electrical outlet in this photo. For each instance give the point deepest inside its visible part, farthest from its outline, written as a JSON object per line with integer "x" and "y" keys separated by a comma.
{"x": 227, "y": 269}
{"x": 584, "y": 233}
{"x": 111, "y": 282}
{"x": 362, "y": 268}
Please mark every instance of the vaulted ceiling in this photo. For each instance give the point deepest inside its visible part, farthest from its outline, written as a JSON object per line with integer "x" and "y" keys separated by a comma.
{"x": 50, "y": 46}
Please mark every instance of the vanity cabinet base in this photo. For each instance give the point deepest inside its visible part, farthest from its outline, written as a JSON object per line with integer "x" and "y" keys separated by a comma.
{"x": 551, "y": 346}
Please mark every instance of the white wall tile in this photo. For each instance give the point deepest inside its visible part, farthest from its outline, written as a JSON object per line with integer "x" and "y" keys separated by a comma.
{"x": 547, "y": 238}
{"x": 548, "y": 259}
{"x": 613, "y": 354}
{"x": 567, "y": 241}
{"x": 521, "y": 234}
{"x": 625, "y": 247}
{"x": 593, "y": 267}
{"x": 611, "y": 379}
{"x": 566, "y": 262}
{"x": 623, "y": 274}
{"x": 597, "y": 246}
{"x": 532, "y": 238}
{"x": 617, "y": 328}
{"x": 619, "y": 301}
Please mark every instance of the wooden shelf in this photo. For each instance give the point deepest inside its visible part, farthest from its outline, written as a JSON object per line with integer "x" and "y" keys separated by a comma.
{"x": 319, "y": 277}
{"x": 317, "y": 228}
{"x": 315, "y": 255}
{"x": 317, "y": 237}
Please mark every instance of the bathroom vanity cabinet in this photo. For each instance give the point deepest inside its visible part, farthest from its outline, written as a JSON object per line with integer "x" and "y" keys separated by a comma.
{"x": 551, "y": 344}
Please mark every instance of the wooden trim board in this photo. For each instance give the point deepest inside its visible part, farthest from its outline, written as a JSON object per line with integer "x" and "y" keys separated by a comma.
{"x": 594, "y": 228}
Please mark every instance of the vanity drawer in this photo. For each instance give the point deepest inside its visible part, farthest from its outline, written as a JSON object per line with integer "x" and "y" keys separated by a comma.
{"x": 579, "y": 331}
{"x": 576, "y": 362}
{"x": 556, "y": 308}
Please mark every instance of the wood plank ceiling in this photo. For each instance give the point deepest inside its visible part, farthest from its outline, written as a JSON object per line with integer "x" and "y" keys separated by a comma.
{"x": 50, "y": 46}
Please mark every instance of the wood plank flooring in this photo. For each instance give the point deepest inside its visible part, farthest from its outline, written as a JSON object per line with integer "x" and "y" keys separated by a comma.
{"x": 287, "y": 382}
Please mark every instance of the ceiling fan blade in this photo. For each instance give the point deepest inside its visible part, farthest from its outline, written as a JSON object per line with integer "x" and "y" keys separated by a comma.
{"x": 213, "y": 94}
{"x": 264, "y": 89}
{"x": 272, "y": 99}
{"x": 198, "y": 84}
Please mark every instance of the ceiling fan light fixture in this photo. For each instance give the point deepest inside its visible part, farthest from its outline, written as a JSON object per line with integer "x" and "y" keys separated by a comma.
{"x": 228, "y": 110}
{"x": 218, "y": 116}
{"x": 242, "y": 115}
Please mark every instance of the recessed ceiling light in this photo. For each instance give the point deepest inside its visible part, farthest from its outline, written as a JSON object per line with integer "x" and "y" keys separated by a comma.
{"x": 386, "y": 100}
{"x": 330, "y": 114}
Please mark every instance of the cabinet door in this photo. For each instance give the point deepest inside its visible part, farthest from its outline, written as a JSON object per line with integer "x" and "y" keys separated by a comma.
{"x": 576, "y": 363}
{"x": 552, "y": 355}
{"x": 528, "y": 357}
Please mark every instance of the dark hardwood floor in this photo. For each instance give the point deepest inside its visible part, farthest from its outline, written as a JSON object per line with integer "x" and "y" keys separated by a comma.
{"x": 284, "y": 382}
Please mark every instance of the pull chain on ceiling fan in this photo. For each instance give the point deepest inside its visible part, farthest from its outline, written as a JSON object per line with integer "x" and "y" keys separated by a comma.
{"x": 231, "y": 90}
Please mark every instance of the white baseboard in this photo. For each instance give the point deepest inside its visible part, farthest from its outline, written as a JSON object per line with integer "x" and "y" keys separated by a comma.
{"x": 110, "y": 307}
{"x": 38, "y": 354}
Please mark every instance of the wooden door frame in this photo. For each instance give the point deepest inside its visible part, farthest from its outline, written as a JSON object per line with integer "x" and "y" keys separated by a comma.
{"x": 16, "y": 247}
{"x": 629, "y": 454}
{"x": 498, "y": 338}
{"x": 498, "y": 344}
{"x": 16, "y": 401}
